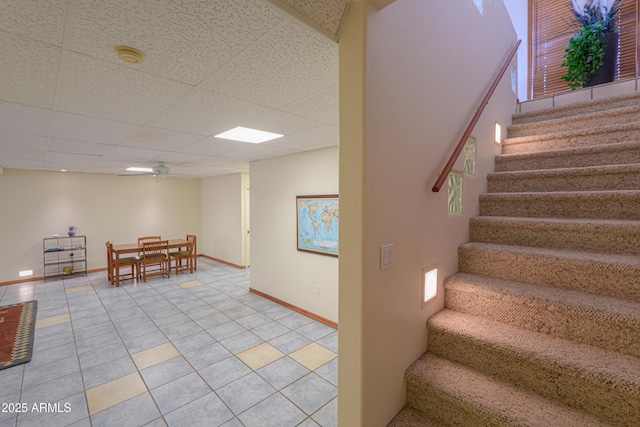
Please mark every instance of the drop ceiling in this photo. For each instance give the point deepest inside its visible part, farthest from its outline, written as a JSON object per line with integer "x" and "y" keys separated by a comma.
{"x": 68, "y": 102}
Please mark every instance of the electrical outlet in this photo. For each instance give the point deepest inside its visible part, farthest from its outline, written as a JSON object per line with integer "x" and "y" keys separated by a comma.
{"x": 317, "y": 289}
{"x": 268, "y": 274}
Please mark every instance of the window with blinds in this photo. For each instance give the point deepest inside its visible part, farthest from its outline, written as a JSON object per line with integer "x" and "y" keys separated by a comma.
{"x": 551, "y": 27}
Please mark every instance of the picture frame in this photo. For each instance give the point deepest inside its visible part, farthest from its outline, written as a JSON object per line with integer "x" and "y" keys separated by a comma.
{"x": 317, "y": 224}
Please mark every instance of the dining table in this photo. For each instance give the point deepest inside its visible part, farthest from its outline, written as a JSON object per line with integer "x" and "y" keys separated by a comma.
{"x": 135, "y": 248}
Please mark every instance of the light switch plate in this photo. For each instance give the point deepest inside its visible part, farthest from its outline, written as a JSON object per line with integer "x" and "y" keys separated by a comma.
{"x": 386, "y": 256}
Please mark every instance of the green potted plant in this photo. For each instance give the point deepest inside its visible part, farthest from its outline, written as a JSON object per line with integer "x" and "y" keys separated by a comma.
{"x": 591, "y": 53}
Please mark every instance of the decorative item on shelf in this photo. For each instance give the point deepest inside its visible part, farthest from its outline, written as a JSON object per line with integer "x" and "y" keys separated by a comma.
{"x": 68, "y": 270}
{"x": 592, "y": 52}
{"x": 72, "y": 230}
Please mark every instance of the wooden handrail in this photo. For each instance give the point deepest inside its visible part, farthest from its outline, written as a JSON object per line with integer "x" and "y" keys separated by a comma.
{"x": 474, "y": 120}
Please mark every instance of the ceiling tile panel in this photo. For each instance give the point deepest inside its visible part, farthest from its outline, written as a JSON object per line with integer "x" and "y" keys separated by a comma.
{"x": 77, "y": 147}
{"x": 160, "y": 139}
{"x": 281, "y": 122}
{"x": 22, "y": 118}
{"x": 322, "y": 107}
{"x": 9, "y": 153}
{"x": 26, "y": 75}
{"x": 174, "y": 157}
{"x": 84, "y": 128}
{"x": 207, "y": 113}
{"x": 41, "y": 20}
{"x": 325, "y": 136}
{"x": 16, "y": 163}
{"x": 112, "y": 91}
{"x": 22, "y": 140}
{"x": 259, "y": 152}
{"x": 184, "y": 40}
{"x": 289, "y": 63}
{"x": 69, "y": 159}
{"x": 131, "y": 154}
{"x": 213, "y": 146}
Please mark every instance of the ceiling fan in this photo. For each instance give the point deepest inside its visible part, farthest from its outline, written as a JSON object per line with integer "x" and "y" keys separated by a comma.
{"x": 160, "y": 170}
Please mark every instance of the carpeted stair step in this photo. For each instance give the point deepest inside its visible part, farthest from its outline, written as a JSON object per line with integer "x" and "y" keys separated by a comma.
{"x": 593, "y": 155}
{"x": 571, "y": 138}
{"x": 603, "y": 383}
{"x": 409, "y": 417}
{"x": 591, "y": 235}
{"x": 578, "y": 108}
{"x": 582, "y": 121}
{"x": 617, "y": 276}
{"x": 594, "y": 178}
{"x": 620, "y": 204}
{"x": 459, "y": 396}
{"x": 577, "y": 316}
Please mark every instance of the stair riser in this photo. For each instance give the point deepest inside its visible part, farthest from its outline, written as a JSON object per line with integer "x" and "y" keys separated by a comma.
{"x": 530, "y": 144}
{"x": 616, "y": 155}
{"x": 614, "y": 240}
{"x": 448, "y": 409}
{"x": 596, "y": 278}
{"x": 572, "y": 323}
{"x": 600, "y": 397}
{"x": 574, "y": 123}
{"x": 627, "y": 100}
{"x": 570, "y": 181}
{"x": 542, "y": 205}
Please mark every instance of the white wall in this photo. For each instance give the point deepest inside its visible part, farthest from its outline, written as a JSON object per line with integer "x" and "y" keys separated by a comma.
{"x": 36, "y": 204}
{"x": 222, "y": 218}
{"x": 423, "y": 84}
{"x": 519, "y": 14}
{"x": 277, "y": 267}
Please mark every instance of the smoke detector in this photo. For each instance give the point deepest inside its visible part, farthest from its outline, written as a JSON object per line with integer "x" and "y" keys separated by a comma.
{"x": 129, "y": 54}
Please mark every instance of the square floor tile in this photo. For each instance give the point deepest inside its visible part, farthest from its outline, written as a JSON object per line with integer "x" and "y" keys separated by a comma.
{"x": 313, "y": 356}
{"x": 260, "y": 355}
{"x": 310, "y": 393}
{"x": 137, "y": 411}
{"x": 52, "y": 321}
{"x": 224, "y": 372}
{"x": 155, "y": 355}
{"x": 207, "y": 355}
{"x": 282, "y": 372}
{"x": 190, "y": 284}
{"x": 275, "y": 411}
{"x": 177, "y": 393}
{"x": 165, "y": 372}
{"x": 115, "y": 392}
{"x": 245, "y": 392}
{"x": 206, "y": 411}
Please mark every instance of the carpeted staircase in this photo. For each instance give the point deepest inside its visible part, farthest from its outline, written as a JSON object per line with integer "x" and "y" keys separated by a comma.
{"x": 541, "y": 325}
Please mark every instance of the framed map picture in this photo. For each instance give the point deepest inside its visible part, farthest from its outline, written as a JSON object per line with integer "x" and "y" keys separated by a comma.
{"x": 318, "y": 224}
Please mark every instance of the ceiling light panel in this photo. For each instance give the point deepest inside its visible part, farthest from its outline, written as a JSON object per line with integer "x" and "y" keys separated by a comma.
{"x": 253, "y": 136}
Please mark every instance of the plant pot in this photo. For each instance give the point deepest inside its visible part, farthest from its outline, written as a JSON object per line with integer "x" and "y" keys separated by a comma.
{"x": 606, "y": 73}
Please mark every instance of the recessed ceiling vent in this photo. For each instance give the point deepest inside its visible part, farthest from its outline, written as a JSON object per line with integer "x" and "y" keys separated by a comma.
{"x": 129, "y": 54}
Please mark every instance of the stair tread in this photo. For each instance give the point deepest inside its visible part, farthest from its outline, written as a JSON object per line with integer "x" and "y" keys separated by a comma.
{"x": 581, "y": 170}
{"x": 583, "y": 116}
{"x": 565, "y": 223}
{"x": 567, "y": 194}
{"x": 504, "y": 401}
{"x": 631, "y": 261}
{"x": 564, "y": 152}
{"x": 410, "y": 417}
{"x": 589, "y": 302}
{"x": 572, "y": 133}
{"x": 592, "y": 361}
{"x": 578, "y": 108}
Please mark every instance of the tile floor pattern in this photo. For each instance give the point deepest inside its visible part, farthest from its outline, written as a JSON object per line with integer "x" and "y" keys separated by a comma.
{"x": 194, "y": 350}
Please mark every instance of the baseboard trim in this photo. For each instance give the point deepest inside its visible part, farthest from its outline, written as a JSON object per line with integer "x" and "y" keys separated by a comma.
{"x": 222, "y": 261}
{"x": 38, "y": 278}
{"x": 296, "y": 309}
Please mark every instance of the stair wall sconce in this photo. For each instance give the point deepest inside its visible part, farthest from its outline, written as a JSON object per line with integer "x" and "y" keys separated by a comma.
{"x": 429, "y": 283}
{"x": 497, "y": 133}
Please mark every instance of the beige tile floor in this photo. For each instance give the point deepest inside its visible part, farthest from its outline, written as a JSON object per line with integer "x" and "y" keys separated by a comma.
{"x": 194, "y": 350}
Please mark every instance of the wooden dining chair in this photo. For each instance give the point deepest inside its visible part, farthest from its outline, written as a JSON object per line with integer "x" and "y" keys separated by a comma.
{"x": 141, "y": 240}
{"x": 155, "y": 259}
{"x": 132, "y": 262}
{"x": 188, "y": 256}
